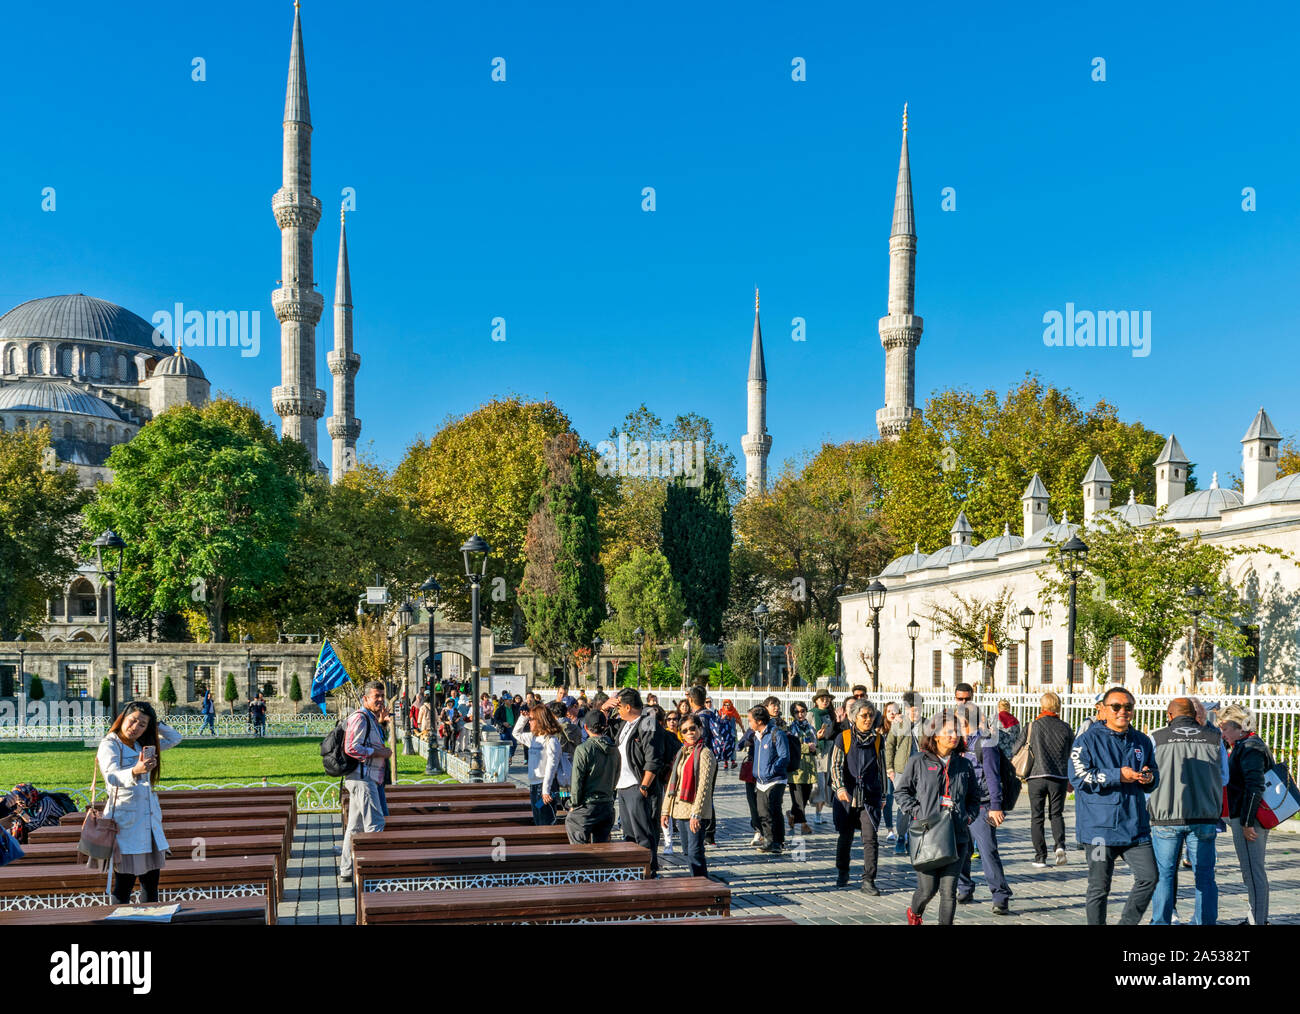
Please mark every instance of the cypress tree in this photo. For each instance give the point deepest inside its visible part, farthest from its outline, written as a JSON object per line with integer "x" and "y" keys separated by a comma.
{"x": 697, "y": 544}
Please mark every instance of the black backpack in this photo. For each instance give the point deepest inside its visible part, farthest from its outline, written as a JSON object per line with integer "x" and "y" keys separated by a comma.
{"x": 796, "y": 752}
{"x": 337, "y": 763}
{"x": 1006, "y": 775}
{"x": 64, "y": 800}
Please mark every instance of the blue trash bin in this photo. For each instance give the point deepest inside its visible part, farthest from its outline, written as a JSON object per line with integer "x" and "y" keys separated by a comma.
{"x": 496, "y": 761}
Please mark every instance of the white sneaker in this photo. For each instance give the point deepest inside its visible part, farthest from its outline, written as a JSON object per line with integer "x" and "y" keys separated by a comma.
{"x": 757, "y": 839}
{"x": 1061, "y": 857}
{"x": 1039, "y": 866}
{"x": 1173, "y": 918}
{"x": 892, "y": 836}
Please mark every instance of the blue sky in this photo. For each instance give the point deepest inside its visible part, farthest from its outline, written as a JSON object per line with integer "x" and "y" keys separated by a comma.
{"x": 522, "y": 199}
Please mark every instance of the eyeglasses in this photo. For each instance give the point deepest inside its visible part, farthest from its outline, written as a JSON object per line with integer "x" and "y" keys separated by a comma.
{"x": 689, "y": 728}
{"x": 1120, "y": 707}
{"x": 963, "y": 700}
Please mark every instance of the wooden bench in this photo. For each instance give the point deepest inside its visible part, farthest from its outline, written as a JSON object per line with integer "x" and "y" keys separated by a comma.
{"x": 192, "y": 799}
{"x": 453, "y": 788}
{"x": 43, "y": 853}
{"x": 477, "y": 866}
{"x": 181, "y": 834}
{"x": 645, "y": 900}
{"x": 203, "y": 911}
{"x": 403, "y": 807}
{"x": 206, "y": 813}
{"x": 723, "y": 920}
{"x": 453, "y": 837}
{"x": 67, "y": 885}
{"x": 434, "y": 795}
{"x": 408, "y": 821}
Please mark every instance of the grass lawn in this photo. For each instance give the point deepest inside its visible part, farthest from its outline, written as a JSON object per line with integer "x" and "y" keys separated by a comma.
{"x": 195, "y": 761}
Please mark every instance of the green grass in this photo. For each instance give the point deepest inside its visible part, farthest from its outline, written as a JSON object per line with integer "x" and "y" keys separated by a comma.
{"x": 51, "y": 765}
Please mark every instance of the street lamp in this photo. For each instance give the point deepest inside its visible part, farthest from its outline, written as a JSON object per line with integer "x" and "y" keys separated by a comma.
{"x": 913, "y": 632}
{"x": 1026, "y": 624}
{"x": 21, "y": 687}
{"x": 564, "y": 661}
{"x": 761, "y": 619}
{"x": 109, "y": 570}
{"x": 688, "y": 628}
{"x": 837, "y": 636}
{"x": 246, "y": 640}
{"x": 404, "y": 616}
{"x": 1195, "y": 598}
{"x": 1076, "y": 555}
{"x": 639, "y": 634}
{"x": 876, "y": 600}
{"x": 475, "y": 552}
{"x": 596, "y": 645}
{"x": 431, "y": 588}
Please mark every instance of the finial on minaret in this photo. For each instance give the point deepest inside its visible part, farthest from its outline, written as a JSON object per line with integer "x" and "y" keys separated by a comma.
{"x": 756, "y": 299}
{"x": 343, "y": 214}
{"x": 904, "y": 117}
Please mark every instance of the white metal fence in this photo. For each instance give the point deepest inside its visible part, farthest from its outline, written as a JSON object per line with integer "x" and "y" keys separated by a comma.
{"x": 189, "y": 726}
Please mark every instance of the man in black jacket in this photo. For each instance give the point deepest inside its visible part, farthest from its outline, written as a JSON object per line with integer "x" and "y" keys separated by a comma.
{"x": 1050, "y": 742}
{"x": 641, "y": 757}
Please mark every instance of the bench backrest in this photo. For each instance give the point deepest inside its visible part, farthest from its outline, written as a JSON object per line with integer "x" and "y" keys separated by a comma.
{"x": 452, "y": 837}
{"x": 202, "y": 912}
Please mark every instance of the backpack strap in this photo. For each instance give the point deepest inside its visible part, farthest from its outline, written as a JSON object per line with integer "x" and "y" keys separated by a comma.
{"x": 848, "y": 740}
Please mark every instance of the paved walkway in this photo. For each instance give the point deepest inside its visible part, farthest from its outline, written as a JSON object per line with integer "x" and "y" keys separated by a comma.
{"x": 804, "y": 889}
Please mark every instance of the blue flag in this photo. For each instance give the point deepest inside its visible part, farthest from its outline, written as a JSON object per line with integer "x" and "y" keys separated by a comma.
{"x": 330, "y": 675}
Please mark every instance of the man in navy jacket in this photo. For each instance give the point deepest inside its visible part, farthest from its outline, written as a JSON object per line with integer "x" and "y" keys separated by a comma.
{"x": 985, "y": 757}
{"x": 1112, "y": 770}
{"x": 771, "y": 758}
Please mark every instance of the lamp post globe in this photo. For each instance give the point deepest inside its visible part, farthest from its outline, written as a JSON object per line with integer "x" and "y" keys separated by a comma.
{"x": 475, "y": 552}
{"x": 913, "y": 632}
{"x": 1075, "y": 552}
{"x": 1027, "y": 624}
{"x": 876, "y": 600}
{"x": 110, "y": 544}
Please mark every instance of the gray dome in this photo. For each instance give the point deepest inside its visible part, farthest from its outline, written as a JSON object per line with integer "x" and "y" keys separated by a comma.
{"x": 1208, "y": 503}
{"x": 46, "y": 396}
{"x": 913, "y": 561}
{"x": 1134, "y": 514}
{"x": 78, "y": 318}
{"x": 1053, "y": 535}
{"x": 179, "y": 365}
{"x": 1283, "y": 490}
{"x": 947, "y": 555}
{"x": 991, "y": 549}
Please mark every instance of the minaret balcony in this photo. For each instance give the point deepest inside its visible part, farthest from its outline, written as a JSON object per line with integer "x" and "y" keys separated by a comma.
{"x": 297, "y": 304}
{"x": 293, "y": 208}
{"x": 900, "y": 330}
{"x": 343, "y": 428}
{"x": 343, "y": 363}
{"x": 304, "y": 401}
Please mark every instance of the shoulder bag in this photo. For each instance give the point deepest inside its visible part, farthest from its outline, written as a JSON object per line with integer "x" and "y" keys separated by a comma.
{"x": 932, "y": 841}
{"x": 1023, "y": 759}
{"x": 98, "y": 833}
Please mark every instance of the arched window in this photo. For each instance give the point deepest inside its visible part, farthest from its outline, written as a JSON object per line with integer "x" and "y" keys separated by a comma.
{"x": 90, "y": 432}
{"x": 123, "y": 368}
{"x": 21, "y": 424}
{"x": 110, "y": 435}
{"x": 36, "y": 359}
{"x": 93, "y": 365}
{"x": 67, "y": 431}
{"x": 11, "y": 360}
{"x": 65, "y": 360}
{"x": 2, "y": 424}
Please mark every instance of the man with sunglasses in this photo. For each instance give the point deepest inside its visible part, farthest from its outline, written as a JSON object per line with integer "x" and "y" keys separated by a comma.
{"x": 1113, "y": 770}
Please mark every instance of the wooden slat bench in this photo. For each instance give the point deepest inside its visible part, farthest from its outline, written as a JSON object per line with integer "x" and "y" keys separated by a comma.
{"x": 723, "y": 920}
{"x": 190, "y": 799}
{"x": 476, "y": 866}
{"x": 453, "y": 837}
{"x": 68, "y": 885}
{"x": 515, "y": 795}
{"x": 181, "y": 834}
{"x": 207, "y": 813}
{"x": 43, "y": 853}
{"x": 642, "y": 900}
{"x": 407, "y": 821}
{"x": 202, "y": 911}
{"x": 402, "y": 807}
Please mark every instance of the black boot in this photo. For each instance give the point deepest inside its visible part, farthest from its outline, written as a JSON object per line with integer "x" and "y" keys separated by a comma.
{"x": 842, "y": 879}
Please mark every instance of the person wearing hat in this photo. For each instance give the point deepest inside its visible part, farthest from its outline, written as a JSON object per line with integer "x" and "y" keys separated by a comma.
{"x": 1097, "y": 716}
{"x": 596, "y": 766}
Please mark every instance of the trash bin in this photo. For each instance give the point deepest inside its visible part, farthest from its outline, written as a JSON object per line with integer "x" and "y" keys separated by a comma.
{"x": 496, "y": 762}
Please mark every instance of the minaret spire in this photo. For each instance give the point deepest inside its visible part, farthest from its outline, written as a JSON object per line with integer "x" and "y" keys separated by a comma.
{"x": 757, "y": 441}
{"x": 343, "y": 426}
{"x": 900, "y": 330}
{"x": 297, "y": 304}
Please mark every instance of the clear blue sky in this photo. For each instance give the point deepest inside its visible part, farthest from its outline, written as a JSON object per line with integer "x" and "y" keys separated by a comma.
{"x": 523, "y": 200}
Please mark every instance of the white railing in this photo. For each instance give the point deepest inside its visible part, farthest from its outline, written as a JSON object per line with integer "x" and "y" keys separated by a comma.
{"x": 189, "y": 726}
{"x": 311, "y": 797}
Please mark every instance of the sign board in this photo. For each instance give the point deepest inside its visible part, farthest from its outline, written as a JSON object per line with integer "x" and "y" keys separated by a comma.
{"x": 376, "y": 596}
{"x": 506, "y": 683}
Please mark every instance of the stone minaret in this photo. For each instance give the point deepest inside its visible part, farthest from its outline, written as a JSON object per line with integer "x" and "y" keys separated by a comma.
{"x": 1034, "y": 501}
{"x": 1259, "y": 452}
{"x": 757, "y": 441}
{"x": 1171, "y": 473}
{"x": 1096, "y": 490}
{"x": 343, "y": 426}
{"x": 900, "y": 331}
{"x": 297, "y": 401}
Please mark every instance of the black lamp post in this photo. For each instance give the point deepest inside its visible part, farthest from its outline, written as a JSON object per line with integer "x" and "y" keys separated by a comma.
{"x": 761, "y": 619}
{"x": 913, "y": 632}
{"x": 20, "y": 684}
{"x": 109, "y": 570}
{"x": 876, "y": 600}
{"x": 404, "y": 617}
{"x": 596, "y": 645}
{"x": 564, "y": 661}
{"x": 837, "y": 636}
{"x": 431, "y": 588}
{"x": 639, "y": 634}
{"x": 1026, "y": 624}
{"x": 688, "y": 629}
{"x": 475, "y": 552}
{"x": 1195, "y": 596}
{"x": 246, "y": 640}
{"x": 1076, "y": 554}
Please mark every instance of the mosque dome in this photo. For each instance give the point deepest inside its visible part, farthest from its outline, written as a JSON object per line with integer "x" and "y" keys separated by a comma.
{"x": 54, "y": 398}
{"x": 1053, "y": 535}
{"x": 1283, "y": 490}
{"x": 991, "y": 549}
{"x": 1133, "y": 513}
{"x": 179, "y": 365}
{"x": 948, "y": 555}
{"x": 913, "y": 561}
{"x": 77, "y": 318}
{"x": 1204, "y": 504}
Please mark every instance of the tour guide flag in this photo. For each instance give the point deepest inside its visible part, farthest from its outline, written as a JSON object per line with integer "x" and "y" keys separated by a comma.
{"x": 989, "y": 646}
{"x": 330, "y": 675}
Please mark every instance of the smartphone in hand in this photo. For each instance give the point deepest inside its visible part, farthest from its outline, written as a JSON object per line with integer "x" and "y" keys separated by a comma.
{"x": 148, "y": 753}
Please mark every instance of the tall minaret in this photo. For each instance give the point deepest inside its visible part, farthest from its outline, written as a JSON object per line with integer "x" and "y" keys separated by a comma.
{"x": 900, "y": 331}
{"x": 757, "y": 441}
{"x": 297, "y": 401}
{"x": 343, "y": 426}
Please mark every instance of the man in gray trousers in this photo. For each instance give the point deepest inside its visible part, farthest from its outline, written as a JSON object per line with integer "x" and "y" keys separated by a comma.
{"x": 364, "y": 743}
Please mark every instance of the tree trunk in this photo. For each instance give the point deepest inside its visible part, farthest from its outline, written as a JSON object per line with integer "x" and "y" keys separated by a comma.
{"x": 1150, "y": 682}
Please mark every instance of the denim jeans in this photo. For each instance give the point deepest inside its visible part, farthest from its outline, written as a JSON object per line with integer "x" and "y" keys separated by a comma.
{"x": 887, "y": 811}
{"x": 693, "y": 847}
{"x": 543, "y": 812}
{"x": 1167, "y": 843}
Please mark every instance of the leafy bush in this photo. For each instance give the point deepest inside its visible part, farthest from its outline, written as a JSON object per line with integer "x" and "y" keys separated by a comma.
{"x": 106, "y": 694}
{"x": 295, "y": 689}
{"x": 167, "y": 695}
{"x": 37, "y": 690}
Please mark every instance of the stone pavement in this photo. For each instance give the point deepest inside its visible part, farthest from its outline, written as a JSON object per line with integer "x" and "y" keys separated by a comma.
{"x": 804, "y": 890}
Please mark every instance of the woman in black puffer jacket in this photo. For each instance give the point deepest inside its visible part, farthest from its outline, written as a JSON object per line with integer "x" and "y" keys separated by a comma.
{"x": 1248, "y": 762}
{"x": 939, "y": 777}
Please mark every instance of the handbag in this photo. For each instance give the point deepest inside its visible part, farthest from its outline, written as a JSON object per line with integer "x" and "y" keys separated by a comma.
{"x": 932, "y": 842}
{"x": 98, "y": 833}
{"x": 1023, "y": 759}
{"x": 10, "y": 850}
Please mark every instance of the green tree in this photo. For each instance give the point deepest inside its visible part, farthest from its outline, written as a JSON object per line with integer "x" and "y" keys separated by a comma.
{"x": 677, "y": 665}
{"x": 232, "y": 692}
{"x": 643, "y": 594}
{"x": 697, "y": 544}
{"x": 167, "y": 694}
{"x": 562, "y": 593}
{"x": 1096, "y": 625}
{"x": 1146, "y": 573}
{"x": 966, "y": 619}
{"x": 814, "y": 652}
{"x": 742, "y": 656}
{"x": 36, "y": 691}
{"x": 106, "y": 693}
{"x": 40, "y": 527}
{"x": 204, "y": 500}
{"x": 295, "y": 689}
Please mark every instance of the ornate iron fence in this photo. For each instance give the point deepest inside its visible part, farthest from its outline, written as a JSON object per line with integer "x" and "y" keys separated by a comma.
{"x": 311, "y": 797}
{"x": 189, "y": 726}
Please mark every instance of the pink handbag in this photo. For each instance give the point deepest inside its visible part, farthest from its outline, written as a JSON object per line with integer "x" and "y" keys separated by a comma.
{"x": 98, "y": 833}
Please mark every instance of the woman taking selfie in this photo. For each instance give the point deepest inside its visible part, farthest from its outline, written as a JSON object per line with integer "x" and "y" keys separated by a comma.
{"x": 128, "y": 756}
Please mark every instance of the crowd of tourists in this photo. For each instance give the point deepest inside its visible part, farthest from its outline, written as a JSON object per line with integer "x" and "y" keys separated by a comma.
{"x": 934, "y": 789}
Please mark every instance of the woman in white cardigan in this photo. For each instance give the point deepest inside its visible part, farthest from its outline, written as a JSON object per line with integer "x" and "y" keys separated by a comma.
{"x": 538, "y": 732}
{"x": 129, "y": 758}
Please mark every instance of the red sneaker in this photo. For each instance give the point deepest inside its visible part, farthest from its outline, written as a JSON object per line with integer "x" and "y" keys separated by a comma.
{"x": 912, "y": 918}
